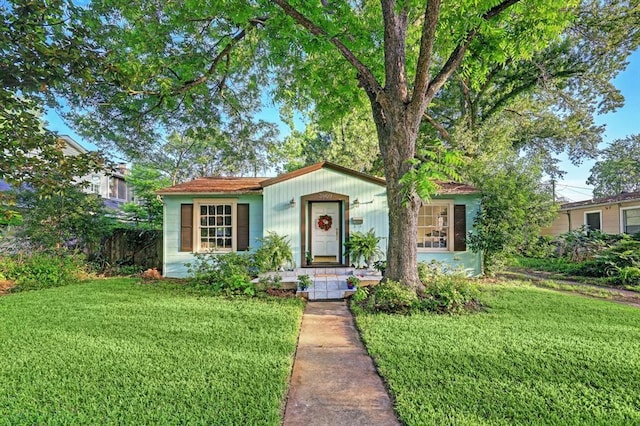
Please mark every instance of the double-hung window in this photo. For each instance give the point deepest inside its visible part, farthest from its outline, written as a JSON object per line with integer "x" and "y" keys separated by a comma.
{"x": 435, "y": 226}
{"x": 215, "y": 225}
{"x": 631, "y": 220}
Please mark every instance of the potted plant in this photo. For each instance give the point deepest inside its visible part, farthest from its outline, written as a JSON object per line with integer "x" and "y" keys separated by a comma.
{"x": 308, "y": 258}
{"x": 352, "y": 281}
{"x": 380, "y": 266}
{"x": 304, "y": 282}
{"x": 363, "y": 247}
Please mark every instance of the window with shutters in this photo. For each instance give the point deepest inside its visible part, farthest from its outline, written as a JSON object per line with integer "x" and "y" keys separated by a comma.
{"x": 215, "y": 225}
{"x": 435, "y": 222}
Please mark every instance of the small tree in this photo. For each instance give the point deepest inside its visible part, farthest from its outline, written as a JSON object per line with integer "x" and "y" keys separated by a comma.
{"x": 514, "y": 208}
{"x": 71, "y": 218}
{"x": 619, "y": 168}
{"x": 146, "y": 211}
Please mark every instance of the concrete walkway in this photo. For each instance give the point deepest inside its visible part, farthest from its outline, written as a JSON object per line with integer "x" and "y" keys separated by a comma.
{"x": 334, "y": 381}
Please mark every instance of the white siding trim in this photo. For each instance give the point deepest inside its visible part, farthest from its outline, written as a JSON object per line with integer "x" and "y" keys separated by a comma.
{"x": 622, "y": 210}
{"x": 196, "y": 222}
{"x": 584, "y": 221}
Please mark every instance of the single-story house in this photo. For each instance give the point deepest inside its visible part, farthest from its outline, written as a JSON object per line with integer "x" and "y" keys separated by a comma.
{"x": 316, "y": 207}
{"x": 613, "y": 215}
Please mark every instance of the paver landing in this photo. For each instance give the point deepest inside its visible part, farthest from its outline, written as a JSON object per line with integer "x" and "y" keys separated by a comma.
{"x": 334, "y": 381}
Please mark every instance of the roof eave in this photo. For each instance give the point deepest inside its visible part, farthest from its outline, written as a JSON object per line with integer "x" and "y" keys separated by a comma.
{"x": 323, "y": 165}
{"x": 243, "y": 192}
{"x": 607, "y": 203}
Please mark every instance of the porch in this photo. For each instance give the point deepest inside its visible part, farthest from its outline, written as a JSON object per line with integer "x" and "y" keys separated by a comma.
{"x": 326, "y": 283}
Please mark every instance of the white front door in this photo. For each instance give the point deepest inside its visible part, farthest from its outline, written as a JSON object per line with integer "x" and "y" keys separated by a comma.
{"x": 325, "y": 243}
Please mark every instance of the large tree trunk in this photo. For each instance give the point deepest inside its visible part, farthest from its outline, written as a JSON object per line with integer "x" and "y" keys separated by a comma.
{"x": 397, "y": 134}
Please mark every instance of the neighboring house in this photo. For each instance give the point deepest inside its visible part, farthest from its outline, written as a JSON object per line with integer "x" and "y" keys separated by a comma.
{"x": 612, "y": 215}
{"x": 111, "y": 185}
{"x": 228, "y": 214}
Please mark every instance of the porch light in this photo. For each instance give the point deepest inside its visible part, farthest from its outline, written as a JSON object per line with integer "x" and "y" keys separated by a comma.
{"x": 356, "y": 203}
{"x": 292, "y": 203}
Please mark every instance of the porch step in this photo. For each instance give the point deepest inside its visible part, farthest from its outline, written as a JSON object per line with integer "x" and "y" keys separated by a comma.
{"x": 327, "y": 283}
{"x": 328, "y": 286}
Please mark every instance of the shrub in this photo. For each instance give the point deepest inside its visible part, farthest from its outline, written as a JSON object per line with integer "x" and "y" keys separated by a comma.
{"x": 361, "y": 294}
{"x": 429, "y": 271}
{"x": 42, "y": 270}
{"x": 390, "y": 297}
{"x": 584, "y": 244}
{"x": 226, "y": 273}
{"x": 629, "y": 275}
{"x": 541, "y": 247}
{"x": 449, "y": 294}
{"x": 274, "y": 253}
{"x": 618, "y": 261}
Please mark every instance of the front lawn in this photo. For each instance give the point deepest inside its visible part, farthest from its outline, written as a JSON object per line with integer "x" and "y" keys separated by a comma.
{"x": 536, "y": 356}
{"x": 119, "y": 352}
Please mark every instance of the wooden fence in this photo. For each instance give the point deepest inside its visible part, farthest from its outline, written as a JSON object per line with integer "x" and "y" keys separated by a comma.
{"x": 134, "y": 247}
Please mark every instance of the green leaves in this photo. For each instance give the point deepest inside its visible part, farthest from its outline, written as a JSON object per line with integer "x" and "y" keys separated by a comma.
{"x": 619, "y": 168}
{"x": 432, "y": 164}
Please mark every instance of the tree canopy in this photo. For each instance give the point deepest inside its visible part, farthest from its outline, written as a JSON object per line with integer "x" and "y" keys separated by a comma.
{"x": 201, "y": 66}
{"x": 39, "y": 49}
{"x": 619, "y": 169}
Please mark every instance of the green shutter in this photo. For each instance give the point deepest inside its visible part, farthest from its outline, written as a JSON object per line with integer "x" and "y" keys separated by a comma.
{"x": 186, "y": 227}
{"x": 460, "y": 227}
{"x": 242, "y": 218}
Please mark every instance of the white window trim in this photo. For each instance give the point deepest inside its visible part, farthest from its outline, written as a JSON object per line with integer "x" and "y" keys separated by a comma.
{"x": 622, "y": 210}
{"x": 449, "y": 248}
{"x": 196, "y": 221}
{"x": 589, "y": 212}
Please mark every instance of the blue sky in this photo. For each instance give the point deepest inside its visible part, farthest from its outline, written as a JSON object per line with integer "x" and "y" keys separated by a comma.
{"x": 619, "y": 124}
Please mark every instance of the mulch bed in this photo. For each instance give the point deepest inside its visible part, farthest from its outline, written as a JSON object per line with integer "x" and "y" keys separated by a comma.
{"x": 281, "y": 292}
{"x": 6, "y": 286}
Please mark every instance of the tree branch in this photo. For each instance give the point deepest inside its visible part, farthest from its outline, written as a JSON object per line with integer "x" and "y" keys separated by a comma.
{"x": 455, "y": 59}
{"x": 188, "y": 85}
{"x": 439, "y": 127}
{"x": 395, "y": 34}
{"x": 366, "y": 77}
{"x": 421, "y": 82}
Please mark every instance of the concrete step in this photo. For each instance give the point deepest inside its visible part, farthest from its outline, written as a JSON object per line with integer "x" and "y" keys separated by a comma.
{"x": 327, "y": 283}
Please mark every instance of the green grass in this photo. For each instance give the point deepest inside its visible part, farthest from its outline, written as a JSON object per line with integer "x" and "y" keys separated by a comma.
{"x": 552, "y": 264}
{"x": 536, "y": 357}
{"x": 119, "y": 352}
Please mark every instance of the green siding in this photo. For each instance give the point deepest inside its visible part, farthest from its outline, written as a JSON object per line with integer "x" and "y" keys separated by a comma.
{"x": 174, "y": 259}
{"x": 272, "y": 212}
{"x": 280, "y": 217}
{"x": 469, "y": 261}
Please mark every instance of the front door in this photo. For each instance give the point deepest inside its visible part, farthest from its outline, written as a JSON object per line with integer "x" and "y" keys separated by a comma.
{"x": 325, "y": 232}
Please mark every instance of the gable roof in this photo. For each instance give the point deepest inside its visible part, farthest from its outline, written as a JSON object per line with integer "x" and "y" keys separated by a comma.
{"x": 324, "y": 165}
{"x": 246, "y": 185}
{"x": 624, "y": 196}
{"x": 72, "y": 144}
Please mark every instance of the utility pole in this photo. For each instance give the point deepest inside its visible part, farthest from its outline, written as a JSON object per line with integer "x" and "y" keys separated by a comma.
{"x": 553, "y": 189}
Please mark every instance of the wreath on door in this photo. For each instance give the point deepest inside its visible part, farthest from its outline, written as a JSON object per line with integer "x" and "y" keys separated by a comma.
{"x": 324, "y": 222}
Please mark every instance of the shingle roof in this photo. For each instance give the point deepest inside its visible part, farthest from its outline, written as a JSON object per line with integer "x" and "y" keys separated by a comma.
{"x": 456, "y": 188}
{"x": 624, "y": 196}
{"x": 238, "y": 185}
{"x": 243, "y": 185}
